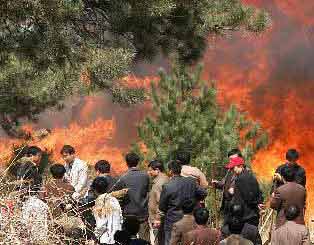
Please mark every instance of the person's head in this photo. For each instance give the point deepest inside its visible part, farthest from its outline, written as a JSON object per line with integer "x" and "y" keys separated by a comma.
{"x": 34, "y": 153}
{"x": 188, "y": 206}
{"x": 201, "y": 216}
{"x": 131, "y": 225}
{"x": 57, "y": 171}
{"x": 235, "y": 152}
{"x": 292, "y": 212}
{"x": 100, "y": 185}
{"x": 174, "y": 168}
{"x": 236, "y": 164}
{"x": 288, "y": 174}
{"x": 155, "y": 167}
{"x": 132, "y": 160}
{"x": 236, "y": 225}
{"x": 183, "y": 157}
{"x": 102, "y": 167}
{"x": 292, "y": 155}
{"x": 122, "y": 237}
{"x": 68, "y": 153}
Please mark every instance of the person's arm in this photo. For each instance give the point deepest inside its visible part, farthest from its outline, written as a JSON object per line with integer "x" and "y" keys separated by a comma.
{"x": 300, "y": 177}
{"x": 163, "y": 201}
{"x": 306, "y": 238}
{"x": 203, "y": 180}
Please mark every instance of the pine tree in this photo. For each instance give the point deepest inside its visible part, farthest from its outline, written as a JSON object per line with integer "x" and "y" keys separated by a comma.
{"x": 186, "y": 116}
{"x": 46, "y": 45}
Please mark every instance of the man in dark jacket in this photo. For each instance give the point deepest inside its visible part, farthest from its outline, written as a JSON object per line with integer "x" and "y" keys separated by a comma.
{"x": 226, "y": 183}
{"x": 172, "y": 196}
{"x": 292, "y": 157}
{"x": 137, "y": 183}
{"x": 246, "y": 191}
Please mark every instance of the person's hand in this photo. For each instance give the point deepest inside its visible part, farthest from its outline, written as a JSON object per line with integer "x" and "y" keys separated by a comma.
{"x": 277, "y": 176}
{"x": 231, "y": 190}
{"x": 156, "y": 224}
{"x": 261, "y": 206}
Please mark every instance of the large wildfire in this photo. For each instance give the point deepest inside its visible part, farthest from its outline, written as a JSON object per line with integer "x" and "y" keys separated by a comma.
{"x": 268, "y": 75}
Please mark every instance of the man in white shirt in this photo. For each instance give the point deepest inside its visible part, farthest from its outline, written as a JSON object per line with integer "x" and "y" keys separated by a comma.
{"x": 76, "y": 171}
{"x": 107, "y": 213}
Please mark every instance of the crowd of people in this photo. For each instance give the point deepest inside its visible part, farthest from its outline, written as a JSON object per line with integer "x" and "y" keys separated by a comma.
{"x": 156, "y": 207}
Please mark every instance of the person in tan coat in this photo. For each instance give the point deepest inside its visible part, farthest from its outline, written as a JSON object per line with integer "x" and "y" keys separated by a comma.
{"x": 184, "y": 225}
{"x": 291, "y": 233}
{"x": 202, "y": 234}
{"x": 156, "y": 171}
{"x": 289, "y": 194}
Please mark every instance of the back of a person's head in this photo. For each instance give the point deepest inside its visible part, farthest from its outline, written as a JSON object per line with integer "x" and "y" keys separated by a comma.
{"x": 122, "y": 237}
{"x": 184, "y": 157}
{"x": 156, "y": 164}
{"x": 292, "y": 155}
{"x": 33, "y": 151}
{"x": 235, "y": 151}
{"x": 175, "y": 167}
{"x": 201, "y": 216}
{"x": 131, "y": 225}
{"x": 288, "y": 174}
{"x": 132, "y": 159}
{"x": 102, "y": 166}
{"x": 100, "y": 184}
{"x": 236, "y": 225}
{"x": 188, "y": 206}
{"x": 67, "y": 149}
{"x": 292, "y": 212}
{"x": 57, "y": 171}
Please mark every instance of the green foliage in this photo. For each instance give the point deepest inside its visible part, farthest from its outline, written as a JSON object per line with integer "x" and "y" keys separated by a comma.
{"x": 187, "y": 117}
{"x": 46, "y": 44}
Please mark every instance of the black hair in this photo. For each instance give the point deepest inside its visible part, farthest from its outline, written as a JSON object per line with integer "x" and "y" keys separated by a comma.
{"x": 235, "y": 151}
{"x": 291, "y": 212}
{"x": 33, "y": 151}
{"x": 102, "y": 166}
{"x": 131, "y": 225}
{"x": 236, "y": 225}
{"x": 292, "y": 155}
{"x": 156, "y": 164}
{"x": 175, "y": 167}
{"x": 67, "y": 149}
{"x": 100, "y": 185}
{"x": 188, "y": 206}
{"x": 201, "y": 216}
{"x": 288, "y": 174}
{"x": 57, "y": 171}
{"x": 183, "y": 157}
{"x": 132, "y": 159}
{"x": 122, "y": 237}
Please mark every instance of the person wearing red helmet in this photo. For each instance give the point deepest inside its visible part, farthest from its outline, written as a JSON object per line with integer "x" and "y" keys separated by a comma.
{"x": 245, "y": 190}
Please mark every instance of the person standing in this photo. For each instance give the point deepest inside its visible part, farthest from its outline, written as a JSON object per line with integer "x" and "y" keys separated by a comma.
{"x": 226, "y": 183}
{"x": 246, "y": 191}
{"x": 202, "y": 234}
{"x": 184, "y": 225}
{"x": 288, "y": 194}
{"x": 172, "y": 196}
{"x": 76, "y": 171}
{"x": 156, "y": 171}
{"x": 292, "y": 157}
{"x": 137, "y": 183}
{"x": 291, "y": 233}
{"x": 189, "y": 171}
